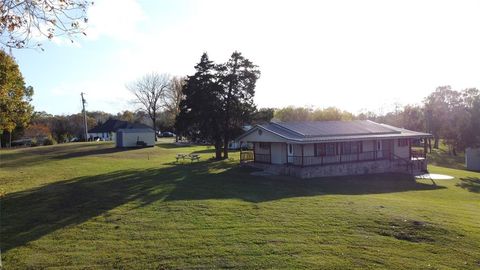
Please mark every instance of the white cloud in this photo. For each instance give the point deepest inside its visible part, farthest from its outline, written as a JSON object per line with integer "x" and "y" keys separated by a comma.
{"x": 350, "y": 54}
{"x": 117, "y": 19}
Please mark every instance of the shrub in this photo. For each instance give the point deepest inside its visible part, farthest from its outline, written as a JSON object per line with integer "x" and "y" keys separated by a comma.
{"x": 34, "y": 143}
{"x": 49, "y": 141}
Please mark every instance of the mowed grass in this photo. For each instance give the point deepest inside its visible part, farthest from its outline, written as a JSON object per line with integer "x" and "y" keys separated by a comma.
{"x": 91, "y": 206}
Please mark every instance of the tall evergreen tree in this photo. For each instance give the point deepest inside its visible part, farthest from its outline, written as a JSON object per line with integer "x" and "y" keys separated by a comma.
{"x": 200, "y": 115}
{"x": 238, "y": 78}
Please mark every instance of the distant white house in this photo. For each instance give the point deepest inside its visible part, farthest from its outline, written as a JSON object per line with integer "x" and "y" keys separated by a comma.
{"x": 107, "y": 131}
{"x": 235, "y": 144}
{"x": 472, "y": 159}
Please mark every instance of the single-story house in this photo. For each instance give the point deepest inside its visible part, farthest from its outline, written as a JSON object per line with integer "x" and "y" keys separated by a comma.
{"x": 472, "y": 159}
{"x": 107, "y": 131}
{"x": 235, "y": 144}
{"x": 135, "y": 137}
{"x": 334, "y": 148}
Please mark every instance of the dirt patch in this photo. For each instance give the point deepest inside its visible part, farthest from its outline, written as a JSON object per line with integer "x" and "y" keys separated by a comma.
{"x": 410, "y": 230}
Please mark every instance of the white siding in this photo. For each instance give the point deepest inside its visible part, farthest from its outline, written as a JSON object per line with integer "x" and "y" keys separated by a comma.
{"x": 472, "y": 159}
{"x": 369, "y": 146}
{"x": 129, "y": 139}
{"x": 278, "y": 153}
{"x": 401, "y": 151}
{"x": 263, "y": 151}
{"x": 308, "y": 150}
{"x": 263, "y": 136}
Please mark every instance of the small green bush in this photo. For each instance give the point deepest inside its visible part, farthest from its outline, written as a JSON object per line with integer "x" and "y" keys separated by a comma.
{"x": 34, "y": 143}
{"x": 49, "y": 141}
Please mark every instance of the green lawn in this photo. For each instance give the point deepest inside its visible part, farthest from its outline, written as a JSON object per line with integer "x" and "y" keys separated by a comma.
{"x": 91, "y": 206}
{"x": 442, "y": 157}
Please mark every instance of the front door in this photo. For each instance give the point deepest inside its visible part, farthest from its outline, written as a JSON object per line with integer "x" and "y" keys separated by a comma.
{"x": 289, "y": 153}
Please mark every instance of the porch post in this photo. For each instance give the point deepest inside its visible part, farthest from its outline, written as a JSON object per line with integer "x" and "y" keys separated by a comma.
{"x": 286, "y": 153}
{"x": 270, "y": 153}
{"x": 254, "y": 143}
{"x": 425, "y": 147}
{"x": 240, "y": 152}
{"x": 302, "y": 155}
{"x": 409, "y": 149}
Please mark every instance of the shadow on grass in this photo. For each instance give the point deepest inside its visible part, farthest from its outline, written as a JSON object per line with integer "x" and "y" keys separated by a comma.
{"x": 169, "y": 145}
{"x": 34, "y": 156}
{"x": 209, "y": 150}
{"x": 471, "y": 184}
{"x": 31, "y": 214}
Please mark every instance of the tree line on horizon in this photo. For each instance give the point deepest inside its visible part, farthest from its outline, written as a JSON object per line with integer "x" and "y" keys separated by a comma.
{"x": 448, "y": 114}
{"x": 215, "y": 102}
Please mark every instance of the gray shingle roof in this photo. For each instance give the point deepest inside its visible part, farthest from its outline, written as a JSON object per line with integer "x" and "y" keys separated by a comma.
{"x": 112, "y": 125}
{"x": 312, "y": 131}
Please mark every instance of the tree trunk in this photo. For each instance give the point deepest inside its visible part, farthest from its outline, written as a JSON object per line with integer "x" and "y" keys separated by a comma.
{"x": 9, "y": 139}
{"x": 225, "y": 146}
{"x": 226, "y": 128}
{"x": 218, "y": 149}
{"x": 454, "y": 151}
{"x": 154, "y": 119}
{"x": 435, "y": 142}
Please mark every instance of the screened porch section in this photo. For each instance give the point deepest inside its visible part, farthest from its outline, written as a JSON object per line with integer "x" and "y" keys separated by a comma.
{"x": 319, "y": 154}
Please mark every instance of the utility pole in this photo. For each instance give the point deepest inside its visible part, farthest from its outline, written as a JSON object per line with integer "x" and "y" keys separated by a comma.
{"x": 84, "y": 116}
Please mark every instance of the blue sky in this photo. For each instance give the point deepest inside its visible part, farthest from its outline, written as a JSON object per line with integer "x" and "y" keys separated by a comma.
{"x": 355, "y": 55}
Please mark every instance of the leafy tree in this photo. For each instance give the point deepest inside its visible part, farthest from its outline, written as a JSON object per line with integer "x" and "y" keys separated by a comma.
{"x": 20, "y": 20}
{"x": 438, "y": 109}
{"x": 200, "y": 116}
{"x": 173, "y": 97}
{"x": 413, "y": 118}
{"x": 37, "y": 131}
{"x": 263, "y": 115}
{"x": 291, "y": 113}
{"x": 330, "y": 114}
{"x": 99, "y": 116}
{"x": 238, "y": 77}
{"x": 15, "y": 98}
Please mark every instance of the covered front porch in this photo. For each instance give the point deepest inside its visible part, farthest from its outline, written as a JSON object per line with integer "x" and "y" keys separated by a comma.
{"x": 328, "y": 153}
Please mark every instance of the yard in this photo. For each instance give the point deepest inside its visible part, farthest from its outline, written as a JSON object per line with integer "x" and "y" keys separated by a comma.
{"x": 91, "y": 206}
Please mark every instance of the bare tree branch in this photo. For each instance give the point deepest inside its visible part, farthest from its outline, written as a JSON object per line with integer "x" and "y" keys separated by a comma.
{"x": 150, "y": 92}
{"x": 22, "y": 20}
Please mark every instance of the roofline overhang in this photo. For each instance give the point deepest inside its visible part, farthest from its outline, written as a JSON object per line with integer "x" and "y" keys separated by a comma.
{"x": 309, "y": 140}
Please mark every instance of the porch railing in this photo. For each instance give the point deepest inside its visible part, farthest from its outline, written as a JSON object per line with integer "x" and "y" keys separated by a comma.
{"x": 418, "y": 153}
{"x": 338, "y": 159}
{"x": 246, "y": 156}
{"x": 263, "y": 158}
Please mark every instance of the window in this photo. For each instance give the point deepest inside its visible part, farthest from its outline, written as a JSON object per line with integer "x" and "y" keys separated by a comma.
{"x": 352, "y": 147}
{"x": 264, "y": 145}
{"x": 330, "y": 149}
{"x": 347, "y": 148}
{"x": 402, "y": 142}
{"x": 324, "y": 149}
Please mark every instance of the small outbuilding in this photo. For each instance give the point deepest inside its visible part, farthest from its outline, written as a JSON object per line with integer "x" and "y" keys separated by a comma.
{"x": 472, "y": 159}
{"x": 135, "y": 137}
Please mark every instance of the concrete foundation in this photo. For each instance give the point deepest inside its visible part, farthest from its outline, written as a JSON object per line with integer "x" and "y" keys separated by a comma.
{"x": 356, "y": 168}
